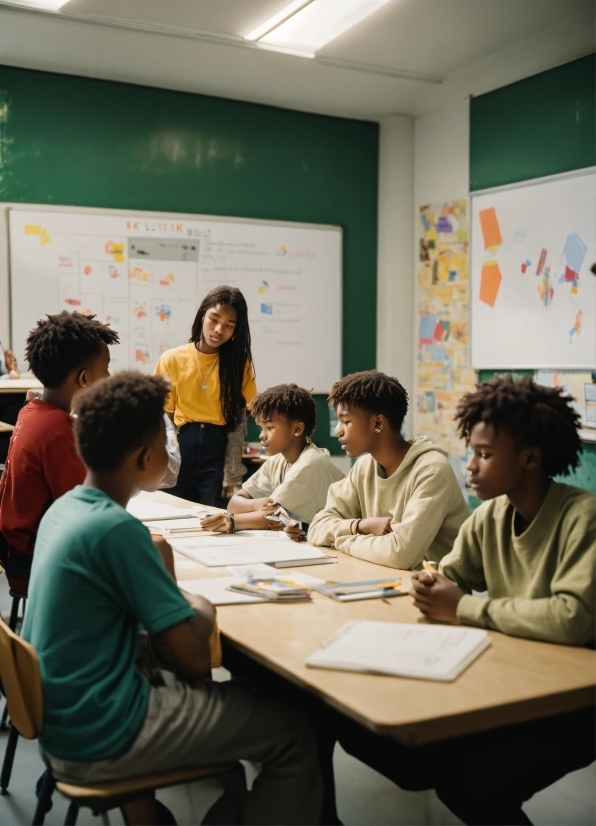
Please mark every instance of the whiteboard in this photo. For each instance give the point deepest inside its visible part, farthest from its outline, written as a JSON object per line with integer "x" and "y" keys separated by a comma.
{"x": 145, "y": 275}
{"x": 533, "y": 301}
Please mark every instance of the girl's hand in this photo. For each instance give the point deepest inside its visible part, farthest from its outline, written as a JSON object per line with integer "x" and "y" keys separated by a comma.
{"x": 436, "y": 597}
{"x": 295, "y": 533}
{"x": 375, "y": 525}
{"x": 219, "y": 522}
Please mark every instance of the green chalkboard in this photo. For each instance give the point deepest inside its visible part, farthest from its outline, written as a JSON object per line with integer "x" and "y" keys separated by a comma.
{"x": 73, "y": 141}
{"x": 542, "y": 125}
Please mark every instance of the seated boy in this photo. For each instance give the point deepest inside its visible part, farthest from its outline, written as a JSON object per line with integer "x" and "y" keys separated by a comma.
{"x": 297, "y": 475}
{"x": 399, "y": 502}
{"x": 66, "y": 352}
{"x": 95, "y": 576}
{"x": 532, "y": 546}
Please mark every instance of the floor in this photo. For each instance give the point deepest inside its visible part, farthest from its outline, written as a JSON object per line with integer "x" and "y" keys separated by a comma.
{"x": 364, "y": 797}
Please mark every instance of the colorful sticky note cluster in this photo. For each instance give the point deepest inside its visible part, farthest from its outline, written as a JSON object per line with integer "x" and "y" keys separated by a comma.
{"x": 35, "y": 229}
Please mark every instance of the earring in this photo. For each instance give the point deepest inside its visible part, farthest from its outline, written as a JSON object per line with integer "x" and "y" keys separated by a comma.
{"x": 296, "y": 434}
{"x": 378, "y": 429}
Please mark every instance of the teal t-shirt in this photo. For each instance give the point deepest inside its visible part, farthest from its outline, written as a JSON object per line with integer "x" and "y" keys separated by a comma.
{"x": 95, "y": 576}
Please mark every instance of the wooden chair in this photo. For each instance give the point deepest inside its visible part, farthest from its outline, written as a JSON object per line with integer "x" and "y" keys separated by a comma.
{"x": 13, "y": 734}
{"x": 21, "y": 680}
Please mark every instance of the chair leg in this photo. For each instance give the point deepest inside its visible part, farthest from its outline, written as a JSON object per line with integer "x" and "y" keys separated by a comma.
{"x": 45, "y": 789}
{"x": 3, "y": 725}
{"x": 71, "y": 814}
{"x": 14, "y": 613}
{"x": 11, "y": 747}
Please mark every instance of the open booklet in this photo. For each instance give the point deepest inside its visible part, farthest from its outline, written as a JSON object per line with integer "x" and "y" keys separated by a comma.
{"x": 428, "y": 652}
{"x": 249, "y": 547}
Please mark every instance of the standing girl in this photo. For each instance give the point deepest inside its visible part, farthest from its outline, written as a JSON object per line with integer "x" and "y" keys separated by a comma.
{"x": 212, "y": 380}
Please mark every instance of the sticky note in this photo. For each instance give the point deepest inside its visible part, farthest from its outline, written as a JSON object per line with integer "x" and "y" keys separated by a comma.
{"x": 490, "y": 281}
{"x": 490, "y": 228}
{"x": 574, "y": 251}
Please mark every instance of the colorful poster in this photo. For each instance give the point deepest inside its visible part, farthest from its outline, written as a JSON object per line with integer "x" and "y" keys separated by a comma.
{"x": 443, "y": 372}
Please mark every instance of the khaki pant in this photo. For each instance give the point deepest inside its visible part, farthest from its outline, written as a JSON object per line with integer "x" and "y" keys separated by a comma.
{"x": 215, "y": 723}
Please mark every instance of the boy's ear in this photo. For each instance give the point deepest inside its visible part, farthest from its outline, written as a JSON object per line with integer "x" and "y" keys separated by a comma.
{"x": 531, "y": 458}
{"x": 82, "y": 377}
{"x": 299, "y": 428}
{"x": 380, "y": 423}
{"x": 143, "y": 458}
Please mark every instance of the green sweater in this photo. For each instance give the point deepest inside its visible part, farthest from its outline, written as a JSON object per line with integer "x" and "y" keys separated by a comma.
{"x": 541, "y": 583}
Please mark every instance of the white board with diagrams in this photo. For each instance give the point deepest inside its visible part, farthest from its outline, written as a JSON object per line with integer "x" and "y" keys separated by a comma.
{"x": 533, "y": 301}
{"x": 145, "y": 275}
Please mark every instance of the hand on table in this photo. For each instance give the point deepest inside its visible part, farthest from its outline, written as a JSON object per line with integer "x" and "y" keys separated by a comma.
{"x": 219, "y": 522}
{"x": 295, "y": 533}
{"x": 266, "y": 505}
{"x": 375, "y": 525}
{"x": 436, "y": 597}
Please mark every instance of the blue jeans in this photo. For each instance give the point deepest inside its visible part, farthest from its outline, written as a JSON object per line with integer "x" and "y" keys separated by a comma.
{"x": 203, "y": 450}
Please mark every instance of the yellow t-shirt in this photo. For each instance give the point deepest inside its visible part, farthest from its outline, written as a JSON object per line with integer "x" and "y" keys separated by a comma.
{"x": 183, "y": 366}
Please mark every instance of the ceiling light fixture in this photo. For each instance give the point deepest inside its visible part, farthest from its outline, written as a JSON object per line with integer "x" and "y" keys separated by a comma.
{"x": 305, "y": 27}
{"x": 39, "y": 5}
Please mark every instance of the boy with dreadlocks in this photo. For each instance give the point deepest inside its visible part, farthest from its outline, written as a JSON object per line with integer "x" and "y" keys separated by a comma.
{"x": 66, "y": 352}
{"x": 401, "y": 500}
{"x": 297, "y": 474}
{"x": 532, "y": 546}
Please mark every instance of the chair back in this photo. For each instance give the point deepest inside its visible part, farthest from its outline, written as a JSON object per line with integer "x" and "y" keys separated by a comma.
{"x": 21, "y": 681}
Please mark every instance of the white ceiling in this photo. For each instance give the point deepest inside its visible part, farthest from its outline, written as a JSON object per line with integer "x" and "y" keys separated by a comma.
{"x": 196, "y": 46}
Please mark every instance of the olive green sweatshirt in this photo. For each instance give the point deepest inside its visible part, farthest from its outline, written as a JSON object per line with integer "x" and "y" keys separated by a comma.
{"x": 541, "y": 583}
{"x": 422, "y": 498}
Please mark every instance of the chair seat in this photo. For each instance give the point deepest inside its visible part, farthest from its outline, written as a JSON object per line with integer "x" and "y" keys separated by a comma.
{"x": 98, "y": 792}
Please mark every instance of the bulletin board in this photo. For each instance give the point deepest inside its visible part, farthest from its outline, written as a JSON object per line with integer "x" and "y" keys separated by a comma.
{"x": 145, "y": 275}
{"x": 533, "y": 297}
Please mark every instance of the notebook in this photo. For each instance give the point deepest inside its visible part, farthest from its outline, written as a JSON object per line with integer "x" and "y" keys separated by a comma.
{"x": 275, "y": 589}
{"x": 427, "y": 652}
{"x": 224, "y": 550}
{"x": 367, "y": 589}
{"x": 148, "y": 511}
{"x": 217, "y": 591}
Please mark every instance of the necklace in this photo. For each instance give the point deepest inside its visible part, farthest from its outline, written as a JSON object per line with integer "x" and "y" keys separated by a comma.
{"x": 204, "y": 380}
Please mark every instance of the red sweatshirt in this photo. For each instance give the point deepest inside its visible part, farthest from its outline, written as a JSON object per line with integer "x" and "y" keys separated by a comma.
{"x": 42, "y": 464}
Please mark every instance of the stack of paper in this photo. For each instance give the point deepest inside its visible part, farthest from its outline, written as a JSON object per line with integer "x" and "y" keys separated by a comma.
{"x": 222, "y": 550}
{"x": 275, "y": 589}
{"x": 429, "y": 652}
{"x": 148, "y": 511}
{"x": 367, "y": 589}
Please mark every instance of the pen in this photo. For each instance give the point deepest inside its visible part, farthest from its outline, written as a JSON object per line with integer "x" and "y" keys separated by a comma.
{"x": 430, "y": 567}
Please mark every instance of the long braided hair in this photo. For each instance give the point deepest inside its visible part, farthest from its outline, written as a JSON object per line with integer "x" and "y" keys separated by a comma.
{"x": 233, "y": 355}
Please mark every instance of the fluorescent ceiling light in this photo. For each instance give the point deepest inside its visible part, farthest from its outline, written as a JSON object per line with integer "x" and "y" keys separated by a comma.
{"x": 307, "y": 27}
{"x": 40, "y": 5}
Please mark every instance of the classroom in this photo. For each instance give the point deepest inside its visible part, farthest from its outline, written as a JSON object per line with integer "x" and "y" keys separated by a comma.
{"x": 302, "y": 232}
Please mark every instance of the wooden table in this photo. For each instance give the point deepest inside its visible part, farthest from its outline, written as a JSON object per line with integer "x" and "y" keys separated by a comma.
{"x": 513, "y": 681}
{"x": 26, "y": 382}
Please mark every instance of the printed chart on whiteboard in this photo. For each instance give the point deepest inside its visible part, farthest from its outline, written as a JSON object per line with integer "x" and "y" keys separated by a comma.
{"x": 533, "y": 295}
{"x": 146, "y": 277}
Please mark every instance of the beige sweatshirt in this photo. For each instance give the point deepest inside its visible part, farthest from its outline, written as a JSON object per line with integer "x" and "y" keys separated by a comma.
{"x": 302, "y": 487}
{"x": 422, "y": 498}
{"x": 540, "y": 584}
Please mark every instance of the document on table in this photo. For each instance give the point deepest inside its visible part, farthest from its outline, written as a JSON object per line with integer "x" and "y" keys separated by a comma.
{"x": 225, "y": 550}
{"x": 148, "y": 511}
{"x": 428, "y": 652}
{"x": 216, "y": 590}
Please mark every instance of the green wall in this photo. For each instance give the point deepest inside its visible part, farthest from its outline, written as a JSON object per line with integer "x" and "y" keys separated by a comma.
{"x": 540, "y": 126}
{"x": 78, "y": 142}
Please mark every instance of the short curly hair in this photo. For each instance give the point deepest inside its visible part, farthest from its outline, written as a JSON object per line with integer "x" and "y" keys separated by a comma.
{"x": 64, "y": 342}
{"x": 289, "y": 400}
{"x": 534, "y": 415}
{"x": 374, "y": 392}
{"x": 116, "y": 416}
